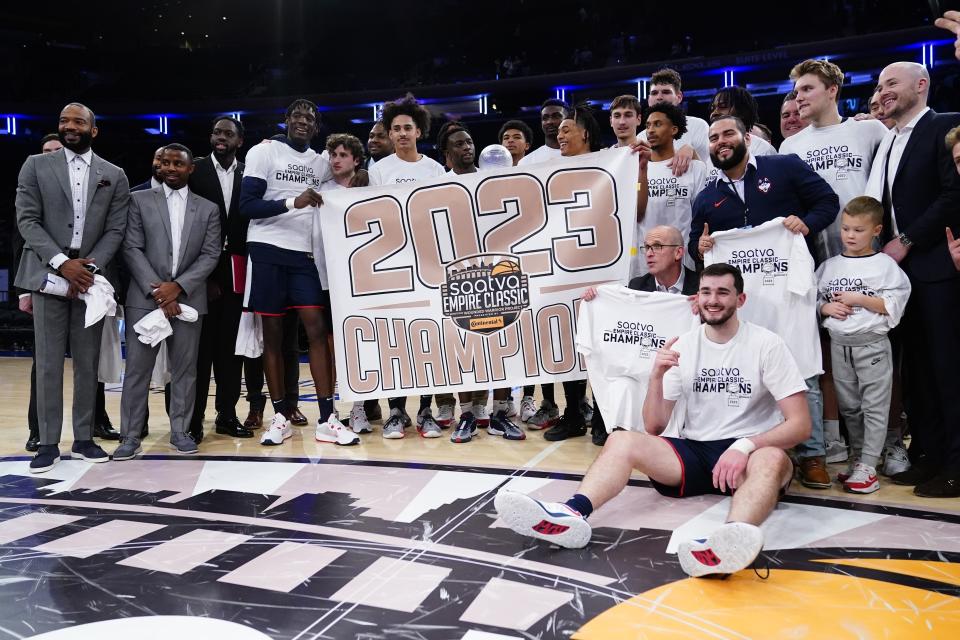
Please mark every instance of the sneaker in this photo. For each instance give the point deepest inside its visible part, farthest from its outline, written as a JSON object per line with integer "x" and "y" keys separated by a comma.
{"x": 862, "y": 480}
{"x": 395, "y": 424}
{"x": 554, "y": 522}
{"x": 183, "y": 443}
{"x": 466, "y": 428}
{"x": 528, "y": 408}
{"x": 480, "y": 413}
{"x": 500, "y": 425}
{"x": 427, "y": 426}
{"x": 843, "y": 475}
{"x": 836, "y": 451}
{"x": 731, "y": 548}
{"x": 48, "y": 455}
{"x": 88, "y": 450}
{"x": 358, "y": 419}
{"x": 445, "y": 413}
{"x": 511, "y": 408}
{"x": 332, "y": 430}
{"x": 129, "y": 449}
{"x": 586, "y": 410}
{"x": 896, "y": 460}
{"x": 570, "y": 425}
{"x": 376, "y": 413}
{"x": 277, "y": 431}
{"x": 545, "y": 417}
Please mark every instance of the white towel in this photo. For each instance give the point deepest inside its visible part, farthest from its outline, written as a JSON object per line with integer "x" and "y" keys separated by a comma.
{"x": 98, "y": 298}
{"x": 249, "y": 336}
{"x": 154, "y": 327}
{"x": 111, "y": 369}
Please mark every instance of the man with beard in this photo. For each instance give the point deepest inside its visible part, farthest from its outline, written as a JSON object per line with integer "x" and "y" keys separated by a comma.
{"x": 379, "y": 144}
{"x": 552, "y": 113}
{"x": 748, "y": 192}
{"x": 790, "y": 122}
{"x": 155, "y": 178}
{"x": 74, "y": 239}
{"x": 725, "y": 448}
{"x": 737, "y": 101}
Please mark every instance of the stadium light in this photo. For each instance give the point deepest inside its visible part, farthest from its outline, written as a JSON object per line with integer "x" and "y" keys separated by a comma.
{"x": 11, "y": 129}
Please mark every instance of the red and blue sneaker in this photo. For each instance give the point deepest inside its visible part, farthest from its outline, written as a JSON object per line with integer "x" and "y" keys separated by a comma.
{"x": 554, "y": 522}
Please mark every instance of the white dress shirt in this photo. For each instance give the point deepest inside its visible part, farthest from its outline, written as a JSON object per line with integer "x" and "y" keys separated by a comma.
{"x": 78, "y": 171}
{"x": 177, "y": 209}
{"x": 154, "y": 183}
{"x": 226, "y": 182}
{"x": 900, "y": 140}
{"x": 677, "y": 286}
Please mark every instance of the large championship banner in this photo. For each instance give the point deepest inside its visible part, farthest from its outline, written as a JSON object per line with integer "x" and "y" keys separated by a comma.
{"x": 473, "y": 281}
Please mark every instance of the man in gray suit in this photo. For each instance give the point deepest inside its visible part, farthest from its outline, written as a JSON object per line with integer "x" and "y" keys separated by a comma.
{"x": 171, "y": 246}
{"x": 71, "y": 211}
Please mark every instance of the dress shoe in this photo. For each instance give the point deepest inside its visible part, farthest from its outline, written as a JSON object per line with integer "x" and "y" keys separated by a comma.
{"x": 105, "y": 431}
{"x": 920, "y": 473}
{"x": 230, "y": 426}
{"x": 943, "y": 485}
{"x": 33, "y": 442}
{"x": 296, "y": 418}
{"x": 598, "y": 436}
{"x": 254, "y": 418}
{"x": 88, "y": 450}
{"x": 813, "y": 473}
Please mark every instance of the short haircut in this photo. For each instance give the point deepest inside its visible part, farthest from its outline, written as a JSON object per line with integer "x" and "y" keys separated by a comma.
{"x": 626, "y": 101}
{"x": 583, "y": 116}
{"x": 723, "y": 269}
{"x": 865, "y": 206}
{"x": 176, "y": 146}
{"x": 447, "y": 130}
{"x": 741, "y": 127}
{"x": 49, "y": 137}
{"x": 829, "y": 73}
{"x": 674, "y": 114}
{"x": 742, "y": 102}
{"x": 553, "y": 102}
{"x": 791, "y": 95}
{"x": 236, "y": 123}
{"x": 348, "y": 142}
{"x": 666, "y": 76}
{"x": 520, "y": 126}
{"x": 953, "y": 137}
{"x": 93, "y": 116}
{"x": 302, "y": 103}
{"x": 407, "y": 106}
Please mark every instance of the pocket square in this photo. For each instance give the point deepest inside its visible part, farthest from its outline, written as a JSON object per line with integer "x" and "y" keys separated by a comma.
{"x": 103, "y": 183}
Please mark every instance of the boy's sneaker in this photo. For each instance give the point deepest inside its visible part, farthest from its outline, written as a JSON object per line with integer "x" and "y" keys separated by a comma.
{"x": 528, "y": 408}
{"x": 277, "y": 431}
{"x": 466, "y": 428}
{"x": 183, "y": 443}
{"x": 332, "y": 430}
{"x": 731, "y": 548}
{"x": 895, "y": 461}
{"x": 862, "y": 480}
{"x": 395, "y": 424}
{"x": 48, "y": 455}
{"x": 129, "y": 449}
{"x": 837, "y": 451}
{"x": 843, "y": 475}
{"x": 358, "y": 419}
{"x": 500, "y": 425}
{"x": 445, "y": 414}
{"x": 545, "y": 417}
{"x": 426, "y": 424}
{"x": 88, "y": 450}
{"x": 480, "y": 413}
{"x": 554, "y": 522}
{"x": 586, "y": 410}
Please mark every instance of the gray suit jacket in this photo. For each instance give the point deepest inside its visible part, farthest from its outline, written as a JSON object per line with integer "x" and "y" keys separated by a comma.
{"x": 45, "y": 214}
{"x": 148, "y": 253}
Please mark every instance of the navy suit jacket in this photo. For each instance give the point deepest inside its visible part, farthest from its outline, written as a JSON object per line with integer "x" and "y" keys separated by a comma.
{"x": 143, "y": 186}
{"x": 647, "y": 282}
{"x": 779, "y": 186}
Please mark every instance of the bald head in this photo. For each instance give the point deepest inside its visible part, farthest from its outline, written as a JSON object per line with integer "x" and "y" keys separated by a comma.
{"x": 664, "y": 234}
{"x": 663, "y": 252}
{"x": 903, "y": 88}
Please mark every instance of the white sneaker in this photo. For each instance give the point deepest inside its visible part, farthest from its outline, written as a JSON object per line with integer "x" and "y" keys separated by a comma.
{"x": 278, "y": 431}
{"x": 358, "y": 419}
{"x": 554, "y": 522}
{"x": 427, "y": 426}
{"x": 837, "y": 451}
{"x": 528, "y": 408}
{"x": 731, "y": 548}
{"x": 481, "y": 414}
{"x": 393, "y": 427}
{"x": 445, "y": 414}
{"x": 896, "y": 460}
{"x": 862, "y": 480}
{"x": 332, "y": 430}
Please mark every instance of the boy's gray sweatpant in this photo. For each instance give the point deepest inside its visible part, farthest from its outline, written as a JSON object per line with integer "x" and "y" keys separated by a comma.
{"x": 863, "y": 376}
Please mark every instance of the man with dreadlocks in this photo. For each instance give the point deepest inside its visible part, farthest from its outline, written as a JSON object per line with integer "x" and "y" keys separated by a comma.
{"x": 738, "y": 102}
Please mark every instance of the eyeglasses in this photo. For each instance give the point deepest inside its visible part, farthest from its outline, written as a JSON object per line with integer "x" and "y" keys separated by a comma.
{"x": 656, "y": 248}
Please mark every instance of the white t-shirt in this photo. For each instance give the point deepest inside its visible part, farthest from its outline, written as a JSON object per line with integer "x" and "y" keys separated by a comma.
{"x": 670, "y": 202}
{"x": 696, "y": 136}
{"x": 542, "y": 154}
{"x": 878, "y": 275}
{"x": 288, "y": 173}
{"x": 731, "y": 390}
{"x": 393, "y": 170}
{"x": 619, "y": 333}
{"x": 778, "y": 279}
{"x": 841, "y": 154}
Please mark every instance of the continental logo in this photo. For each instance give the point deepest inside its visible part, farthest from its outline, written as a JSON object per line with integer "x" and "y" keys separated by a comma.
{"x": 484, "y": 293}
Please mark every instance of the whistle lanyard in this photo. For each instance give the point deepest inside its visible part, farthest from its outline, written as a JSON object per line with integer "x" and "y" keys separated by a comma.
{"x": 741, "y": 200}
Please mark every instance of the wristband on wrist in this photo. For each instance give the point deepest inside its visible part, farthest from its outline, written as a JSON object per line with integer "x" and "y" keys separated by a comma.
{"x": 743, "y": 445}
{"x": 904, "y": 240}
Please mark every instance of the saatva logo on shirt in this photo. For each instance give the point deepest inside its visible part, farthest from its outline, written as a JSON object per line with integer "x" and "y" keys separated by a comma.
{"x": 841, "y": 284}
{"x": 638, "y": 333}
{"x": 669, "y": 188}
{"x": 298, "y": 174}
{"x": 723, "y": 380}
{"x": 485, "y": 292}
{"x": 761, "y": 261}
{"x": 834, "y": 157}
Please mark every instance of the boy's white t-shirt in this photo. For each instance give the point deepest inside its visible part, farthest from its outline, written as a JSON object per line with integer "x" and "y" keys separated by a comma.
{"x": 695, "y": 136}
{"x": 670, "y": 202}
{"x": 779, "y": 281}
{"x": 877, "y": 275}
{"x": 393, "y": 170}
{"x": 541, "y": 154}
{"x": 288, "y": 173}
{"x": 842, "y": 154}
{"x": 731, "y": 390}
{"x": 619, "y": 333}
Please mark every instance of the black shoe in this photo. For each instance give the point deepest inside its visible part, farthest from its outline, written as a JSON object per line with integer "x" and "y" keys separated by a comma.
{"x": 296, "y": 418}
{"x": 598, "y": 436}
{"x": 943, "y": 485}
{"x": 105, "y": 431}
{"x": 230, "y": 426}
{"x": 88, "y": 450}
{"x": 48, "y": 455}
{"x": 915, "y": 475}
{"x": 33, "y": 442}
{"x": 570, "y": 425}
{"x": 374, "y": 412}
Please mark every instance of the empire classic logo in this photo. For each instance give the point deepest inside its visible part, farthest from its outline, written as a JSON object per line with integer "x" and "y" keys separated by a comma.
{"x": 639, "y": 333}
{"x": 485, "y": 292}
{"x": 763, "y": 261}
{"x": 723, "y": 380}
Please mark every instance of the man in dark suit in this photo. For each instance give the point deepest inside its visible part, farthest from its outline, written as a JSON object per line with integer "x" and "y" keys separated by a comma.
{"x": 155, "y": 180}
{"x": 72, "y": 212}
{"x": 920, "y": 191}
{"x": 217, "y": 178}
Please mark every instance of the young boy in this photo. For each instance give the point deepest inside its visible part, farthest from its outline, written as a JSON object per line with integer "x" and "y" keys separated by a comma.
{"x": 862, "y": 295}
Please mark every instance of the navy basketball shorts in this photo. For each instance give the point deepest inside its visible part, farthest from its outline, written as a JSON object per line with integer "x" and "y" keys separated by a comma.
{"x": 282, "y": 279}
{"x": 697, "y": 460}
